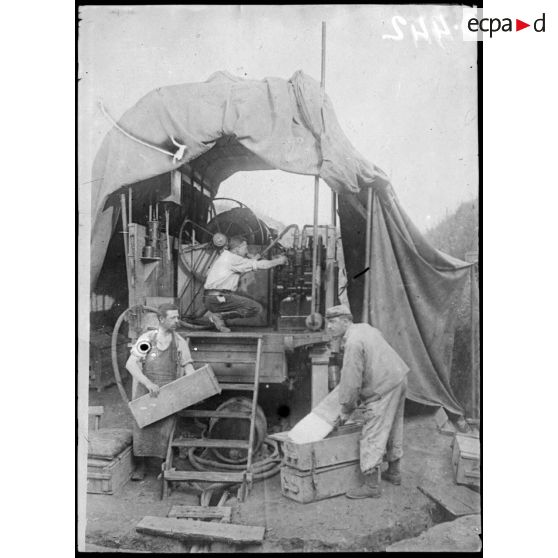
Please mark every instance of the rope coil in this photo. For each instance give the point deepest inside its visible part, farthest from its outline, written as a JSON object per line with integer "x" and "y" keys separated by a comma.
{"x": 176, "y": 157}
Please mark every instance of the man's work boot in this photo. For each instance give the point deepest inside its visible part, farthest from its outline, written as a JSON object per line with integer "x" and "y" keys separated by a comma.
{"x": 393, "y": 472}
{"x": 218, "y": 322}
{"x": 370, "y": 488}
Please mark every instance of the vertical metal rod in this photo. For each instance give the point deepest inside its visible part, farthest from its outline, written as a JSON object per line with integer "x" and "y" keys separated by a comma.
{"x": 167, "y": 226}
{"x": 253, "y": 412}
{"x": 322, "y": 82}
{"x": 131, "y": 219}
{"x": 366, "y": 297}
{"x": 333, "y": 208}
{"x": 150, "y": 212}
{"x": 317, "y": 192}
{"x": 473, "y": 355}
{"x": 315, "y": 244}
{"x": 124, "y": 226}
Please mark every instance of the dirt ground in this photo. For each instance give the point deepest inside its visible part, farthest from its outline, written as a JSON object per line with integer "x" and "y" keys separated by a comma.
{"x": 335, "y": 524}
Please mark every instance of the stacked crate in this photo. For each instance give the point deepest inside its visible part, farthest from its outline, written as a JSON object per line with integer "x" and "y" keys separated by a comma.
{"x": 318, "y": 470}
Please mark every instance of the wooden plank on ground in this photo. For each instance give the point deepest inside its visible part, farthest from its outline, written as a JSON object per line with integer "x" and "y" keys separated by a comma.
{"x": 458, "y": 500}
{"x": 191, "y": 529}
{"x": 202, "y": 512}
{"x": 175, "y": 396}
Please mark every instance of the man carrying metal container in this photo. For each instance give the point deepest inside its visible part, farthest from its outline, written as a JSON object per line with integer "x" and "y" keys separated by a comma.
{"x": 374, "y": 374}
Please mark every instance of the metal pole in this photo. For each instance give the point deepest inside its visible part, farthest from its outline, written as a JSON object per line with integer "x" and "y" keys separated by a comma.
{"x": 317, "y": 192}
{"x": 124, "y": 225}
{"x": 322, "y": 82}
{"x": 366, "y": 297}
{"x": 315, "y": 243}
{"x": 473, "y": 355}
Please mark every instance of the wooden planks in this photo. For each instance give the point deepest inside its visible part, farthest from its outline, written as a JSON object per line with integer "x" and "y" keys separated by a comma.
{"x": 233, "y": 355}
{"x": 191, "y": 529}
{"x": 205, "y": 476}
{"x": 222, "y": 513}
{"x": 175, "y": 396}
{"x": 458, "y": 500}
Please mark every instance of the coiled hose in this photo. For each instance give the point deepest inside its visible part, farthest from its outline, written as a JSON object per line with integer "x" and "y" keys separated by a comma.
{"x": 113, "y": 354}
{"x": 263, "y": 469}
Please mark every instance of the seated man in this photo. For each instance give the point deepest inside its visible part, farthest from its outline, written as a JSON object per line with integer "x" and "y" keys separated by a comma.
{"x": 377, "y": 376}
{"x": 222, "y": 282}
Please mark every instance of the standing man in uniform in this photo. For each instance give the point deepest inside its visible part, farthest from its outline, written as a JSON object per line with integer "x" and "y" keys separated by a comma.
{"x": 374, "y": 374}
{"x": 157, "y": 358}
{"x": 222, "y": 282}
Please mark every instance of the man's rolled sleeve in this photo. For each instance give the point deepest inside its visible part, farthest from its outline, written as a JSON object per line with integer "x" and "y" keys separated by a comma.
{"x": 185, "y": 355}
{"x": 351, "y": 377}
{"x": 243, "y": 265}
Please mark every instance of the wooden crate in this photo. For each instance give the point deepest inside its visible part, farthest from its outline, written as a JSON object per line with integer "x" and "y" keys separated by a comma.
{"x": 108, "y": 476}
{"x": 233, "y": 359}
{"x": 341, "y": 446}
{"x": 466, "y": 460}
{"x": 175, "y": 396}
{"x": 318, "y": 484}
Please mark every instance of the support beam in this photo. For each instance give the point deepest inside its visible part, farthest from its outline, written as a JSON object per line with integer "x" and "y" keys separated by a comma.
{"x": 367, "y": 257}
{"x": 320, "y": 363}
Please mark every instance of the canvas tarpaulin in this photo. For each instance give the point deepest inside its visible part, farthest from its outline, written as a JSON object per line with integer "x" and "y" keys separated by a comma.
{"x": 413, "y": 291}
{"x": 291, "y": 125}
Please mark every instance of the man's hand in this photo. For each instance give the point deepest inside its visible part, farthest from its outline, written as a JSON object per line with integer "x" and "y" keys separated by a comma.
{"x": 343, "y": 418}
{"x": 188, "y": 369}
{"x": 282, "y": 260}
{"x": 153, "y": 389}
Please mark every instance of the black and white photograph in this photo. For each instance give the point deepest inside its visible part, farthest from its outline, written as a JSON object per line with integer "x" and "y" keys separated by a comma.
{"x": 278, "y": 282}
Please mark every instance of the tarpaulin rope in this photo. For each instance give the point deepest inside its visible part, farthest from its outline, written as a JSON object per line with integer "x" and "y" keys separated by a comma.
{"x": 176, "y": 157}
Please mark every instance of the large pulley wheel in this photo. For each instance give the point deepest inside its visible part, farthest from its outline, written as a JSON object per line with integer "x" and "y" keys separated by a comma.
{"x": 243, "y": 222}
{"x": 237, "y": 429}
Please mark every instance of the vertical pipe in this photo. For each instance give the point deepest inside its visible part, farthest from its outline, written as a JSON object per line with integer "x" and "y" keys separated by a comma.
{"x": 124, "y": 226}
{"x": 473, "y": 352}
{"x": 366, "y": 297}
{"x": 167, "y": 226}
{"x": 130, "y": 218}
{"x": 315, "y": 243}
{"x": 317, "y": 191}
{"x": 322, "y": 82}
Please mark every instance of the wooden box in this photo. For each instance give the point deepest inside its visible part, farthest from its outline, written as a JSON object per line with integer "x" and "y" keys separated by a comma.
{"x": 340, "y": 446}
{"x": 318, "y": 484}
{"x": 466, "y": 460}
{"x": 108, "y": 476}
{"x": 231, "y": 357}
{"x": 175, "y": 396}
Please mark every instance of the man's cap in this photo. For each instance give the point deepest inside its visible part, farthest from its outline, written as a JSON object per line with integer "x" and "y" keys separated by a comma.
{"x": 336, "y": 311}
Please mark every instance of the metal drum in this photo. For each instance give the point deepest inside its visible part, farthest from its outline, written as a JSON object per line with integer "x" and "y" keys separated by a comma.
{"x": 237, "y": 429}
